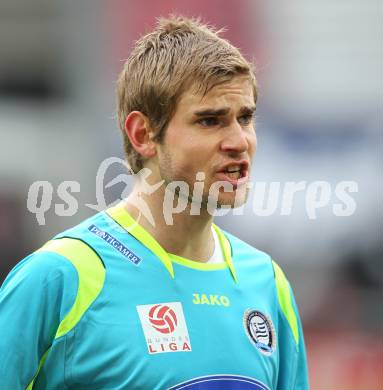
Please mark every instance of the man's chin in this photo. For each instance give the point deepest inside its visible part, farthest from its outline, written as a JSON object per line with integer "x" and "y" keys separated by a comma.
{"x": 231, "y": 200}
{"x": 229, "y": 205}
{"x": 224, "y": 200}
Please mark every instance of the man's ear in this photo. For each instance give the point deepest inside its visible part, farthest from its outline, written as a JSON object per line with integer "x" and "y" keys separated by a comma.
{"x": 137, "y": 128}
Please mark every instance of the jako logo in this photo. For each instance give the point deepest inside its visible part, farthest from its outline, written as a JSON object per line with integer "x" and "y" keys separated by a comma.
{"x": 163, "y": 318}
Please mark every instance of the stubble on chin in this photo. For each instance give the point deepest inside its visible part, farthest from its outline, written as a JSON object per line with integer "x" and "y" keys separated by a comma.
{"x": 169, "y": 174}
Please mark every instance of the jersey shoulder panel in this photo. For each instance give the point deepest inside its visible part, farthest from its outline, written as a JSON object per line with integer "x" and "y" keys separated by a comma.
{"x": 91, "y": 275}
{"x": 34, "y": 298}
{"x": 285, "y": 300}
{"x": 42, "y": 275}
{"x": 111, "y": 242}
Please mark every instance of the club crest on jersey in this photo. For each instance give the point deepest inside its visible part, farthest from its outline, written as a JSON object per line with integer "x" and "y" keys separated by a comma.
{"x": 164, "y": 327}
{"x": 260, "y": 330}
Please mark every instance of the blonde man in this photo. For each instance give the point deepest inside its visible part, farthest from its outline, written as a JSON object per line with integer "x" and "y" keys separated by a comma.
{"x": 150, "y": 294}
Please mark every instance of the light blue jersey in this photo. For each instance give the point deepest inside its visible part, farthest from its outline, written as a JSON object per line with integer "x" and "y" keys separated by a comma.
{"x": 103, "y": 306}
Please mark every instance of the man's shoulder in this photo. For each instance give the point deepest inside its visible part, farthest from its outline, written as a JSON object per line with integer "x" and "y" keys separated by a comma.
{"x": 41, "y": 271}
{"x": 93, "y": 226}
{"x": 46, "y": 263}
{"x": 84, "y": 226}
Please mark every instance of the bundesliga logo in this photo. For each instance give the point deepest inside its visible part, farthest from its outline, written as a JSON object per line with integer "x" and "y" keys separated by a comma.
{"x": 163, "y": 318}
{"x": 164, "y": 327}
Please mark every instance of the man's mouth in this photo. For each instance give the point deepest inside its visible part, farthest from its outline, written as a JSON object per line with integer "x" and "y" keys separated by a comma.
{"x": 234, "y": 172}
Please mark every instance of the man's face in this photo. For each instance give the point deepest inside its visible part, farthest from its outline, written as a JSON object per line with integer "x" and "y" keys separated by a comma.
{"x": 213, "y": 134}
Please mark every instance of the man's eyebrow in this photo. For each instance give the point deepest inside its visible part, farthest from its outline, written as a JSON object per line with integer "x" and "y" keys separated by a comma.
{"x": 223, "y": 111}
{"x": 213, "y": 112}
{"x": 248, "y": 110}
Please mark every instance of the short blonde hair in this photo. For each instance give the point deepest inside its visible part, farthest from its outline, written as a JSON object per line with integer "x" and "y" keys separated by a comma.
{"x": 179, "y": 54}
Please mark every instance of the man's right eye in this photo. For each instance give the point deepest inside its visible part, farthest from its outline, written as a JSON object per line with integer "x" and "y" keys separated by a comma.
{"x": 208, "y": 122}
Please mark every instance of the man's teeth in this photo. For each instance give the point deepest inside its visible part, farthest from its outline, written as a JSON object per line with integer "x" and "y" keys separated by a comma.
{"x": 234, "y": 172}
{"x": 233, "y": 169}
{"x": 234, "y": 175}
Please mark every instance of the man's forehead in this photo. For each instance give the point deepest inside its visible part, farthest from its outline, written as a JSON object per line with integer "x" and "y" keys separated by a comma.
{"x": 238, "y": 90}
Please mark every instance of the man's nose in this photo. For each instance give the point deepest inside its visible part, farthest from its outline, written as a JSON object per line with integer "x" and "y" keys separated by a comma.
{"x": 235, "y": 140}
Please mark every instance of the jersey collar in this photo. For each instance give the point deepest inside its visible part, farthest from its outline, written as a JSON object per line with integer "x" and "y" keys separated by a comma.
{"x": 127, "y": 222}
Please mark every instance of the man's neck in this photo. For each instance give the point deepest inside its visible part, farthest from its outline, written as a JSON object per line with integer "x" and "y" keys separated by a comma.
{"x": 182, "y": 234}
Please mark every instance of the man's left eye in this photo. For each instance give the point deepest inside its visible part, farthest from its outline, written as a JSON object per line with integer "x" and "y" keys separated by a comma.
{"x": 246, "y": 119}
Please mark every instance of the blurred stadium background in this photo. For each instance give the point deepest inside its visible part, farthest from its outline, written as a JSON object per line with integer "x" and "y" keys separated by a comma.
{"x": 320, "y": 117}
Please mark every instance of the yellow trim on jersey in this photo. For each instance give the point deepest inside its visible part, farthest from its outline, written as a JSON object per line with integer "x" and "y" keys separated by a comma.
{"x": 226, "y": 249}
{"x": 42, "y": 360}
{"x": 124, "y": 219}
{"x": 284, "y": 298}
{"x": 91, "y": 276}
{"x": 197, "y": 264}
